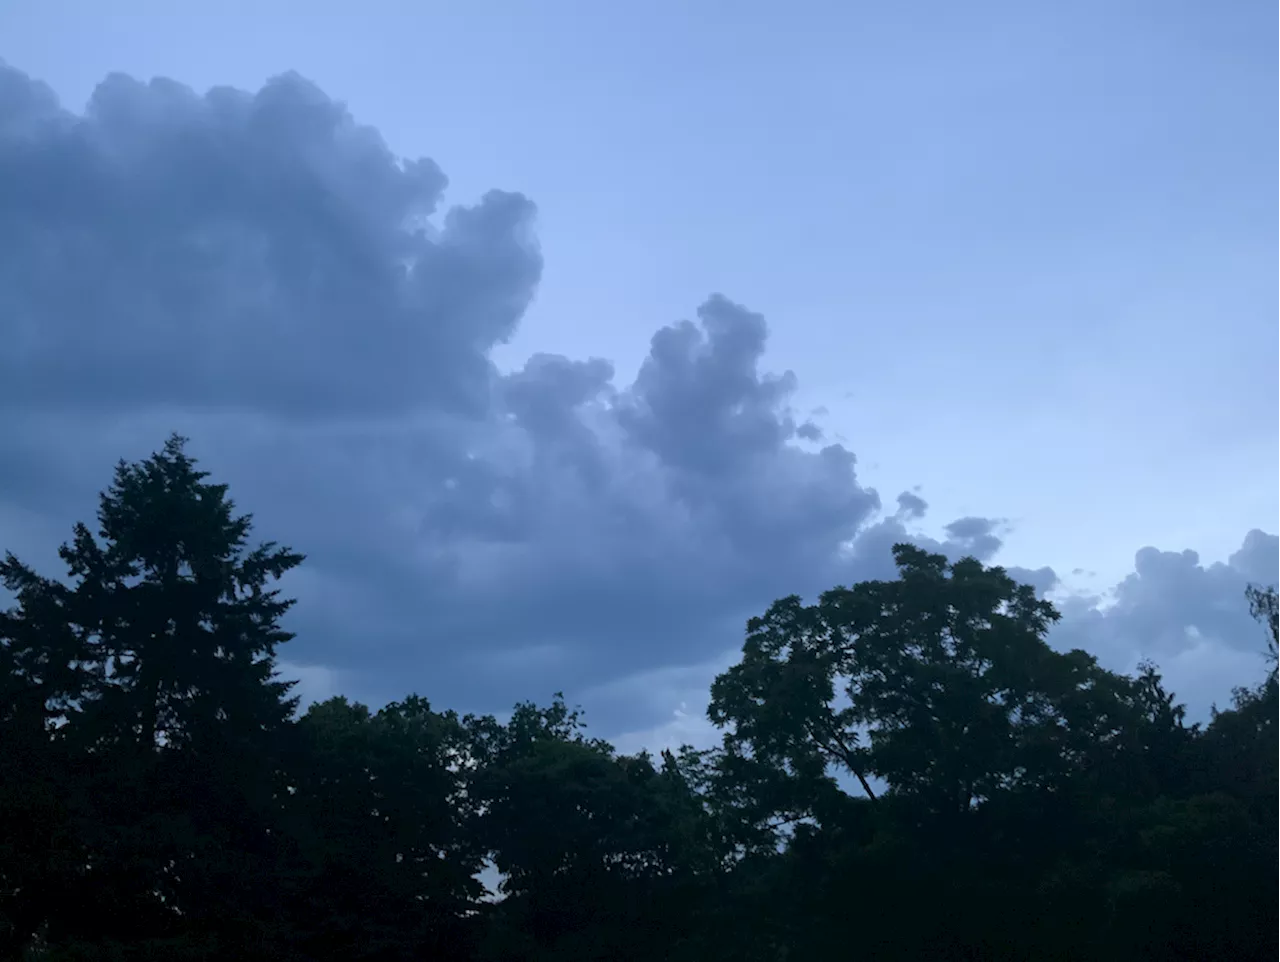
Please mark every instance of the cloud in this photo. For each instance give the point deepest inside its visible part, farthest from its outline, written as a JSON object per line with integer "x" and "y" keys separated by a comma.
{"x": 809, "y": 431}
{"x": 1173, "y": 605}
{"x": 675, "y": 697}
{"x": 260, "y": 252}
{"x": 313, "y": 683}
{"x": 911, "y": 506}
{"x": 259, "y": 271}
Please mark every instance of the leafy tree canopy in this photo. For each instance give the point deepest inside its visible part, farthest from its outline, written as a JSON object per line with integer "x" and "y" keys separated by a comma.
{"x": 908, "y": 770}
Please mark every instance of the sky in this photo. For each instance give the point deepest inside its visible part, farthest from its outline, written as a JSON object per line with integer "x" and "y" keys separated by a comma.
{"x": 564, "y": 337}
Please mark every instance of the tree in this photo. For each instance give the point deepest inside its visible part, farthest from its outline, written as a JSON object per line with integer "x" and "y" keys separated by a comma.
{"x": 1264, "y": 605}
{"x": 41, "y": 677}
{"x": 907, "y": 771}
{"x": 602, "y": 856}
{"x": 377, "y": 810}
{"x": 178, "y": 608}
{"x": 939, "y": 683}
{"x": 994, "y": 751}
{"x": 147, "y": 681}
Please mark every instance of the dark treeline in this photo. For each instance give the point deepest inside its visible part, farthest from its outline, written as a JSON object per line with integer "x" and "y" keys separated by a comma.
{"x": 908, "y": 772}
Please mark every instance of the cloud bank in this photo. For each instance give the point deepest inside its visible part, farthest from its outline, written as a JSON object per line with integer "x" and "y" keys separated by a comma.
{"x": 261, "y": 272}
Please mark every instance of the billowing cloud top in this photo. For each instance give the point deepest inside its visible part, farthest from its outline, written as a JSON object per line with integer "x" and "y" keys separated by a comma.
{"x": 261, "y": 252}
{"x": 261, "y": 272}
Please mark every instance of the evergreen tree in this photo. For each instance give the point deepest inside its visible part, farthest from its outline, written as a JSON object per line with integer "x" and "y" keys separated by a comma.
{"x": 146, "y": 684}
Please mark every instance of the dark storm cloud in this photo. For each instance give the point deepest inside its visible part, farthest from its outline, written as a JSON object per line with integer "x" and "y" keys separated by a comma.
{"x": 260, "y": 272}
{"x": 699, "y": 401}
{"x": 255, "y": 251}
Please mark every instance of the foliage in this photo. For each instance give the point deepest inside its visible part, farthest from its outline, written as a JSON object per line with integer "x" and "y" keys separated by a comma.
{"x": 908, "y": 770}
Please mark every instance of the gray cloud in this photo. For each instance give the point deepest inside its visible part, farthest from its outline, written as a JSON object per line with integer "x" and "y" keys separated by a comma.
{"x": 1043, "y": 579}
{"x": 261, "y": 273}
{"x": 871, "y": 552}
{"x": 1172, "y": 603}
{"x": 699, "y": 401}
{"x": 912, "y": 505}
{"x": 977, "y": 535}
{"x": 261, "y": 252}
{"x": 809, "y": 431}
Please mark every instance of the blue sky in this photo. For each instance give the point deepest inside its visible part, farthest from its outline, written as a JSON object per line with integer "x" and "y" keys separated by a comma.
{"x": 1020, "y": 259}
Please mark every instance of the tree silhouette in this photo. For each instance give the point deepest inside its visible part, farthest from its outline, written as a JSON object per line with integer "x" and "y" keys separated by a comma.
{"x": 382, "y": 865}
{"x": 908, "y": 770}
{"x": 147, "y": 684}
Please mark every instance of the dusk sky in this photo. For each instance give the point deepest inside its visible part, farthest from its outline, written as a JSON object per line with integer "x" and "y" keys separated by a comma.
{"x": 563, "y": 337}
